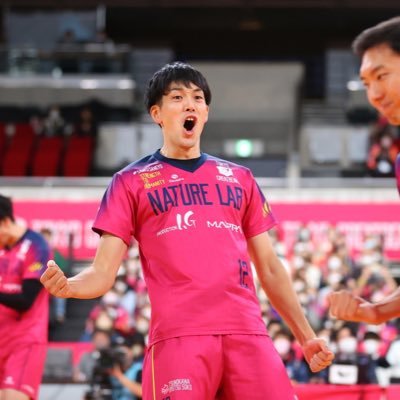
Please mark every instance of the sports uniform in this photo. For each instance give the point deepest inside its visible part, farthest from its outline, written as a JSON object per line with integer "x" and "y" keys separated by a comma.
{"x": 192, "y": 220}
{"x": 23, "y": 334}
{"x": 397, "y": 171}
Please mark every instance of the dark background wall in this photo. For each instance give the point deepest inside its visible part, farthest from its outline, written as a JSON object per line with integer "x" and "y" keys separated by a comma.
{"x": 236, "y": 30}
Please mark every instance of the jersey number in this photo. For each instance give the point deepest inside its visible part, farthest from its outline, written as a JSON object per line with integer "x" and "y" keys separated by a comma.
{"x": 243, "y": 273}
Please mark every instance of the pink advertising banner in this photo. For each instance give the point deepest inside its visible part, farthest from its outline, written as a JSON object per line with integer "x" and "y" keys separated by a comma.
{"x": 354, "y": 219}
{"x": 65, "y": 219}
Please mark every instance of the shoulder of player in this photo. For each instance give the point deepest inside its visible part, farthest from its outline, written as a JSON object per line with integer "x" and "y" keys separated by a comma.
{"x": 237, "y": 168}
{"x": 146, "y": 164}
{"x": 37, "y": 240}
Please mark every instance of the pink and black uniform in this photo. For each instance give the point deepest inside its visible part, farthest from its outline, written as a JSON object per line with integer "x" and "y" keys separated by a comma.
{"x": 397, "y": 171}
{"x": 23, "y": 334}
{"x": 192, "y": 221}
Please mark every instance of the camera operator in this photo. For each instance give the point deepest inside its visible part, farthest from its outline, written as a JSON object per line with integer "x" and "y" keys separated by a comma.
{"x": 126, "y": 376}
{"x": 101, "y": 339}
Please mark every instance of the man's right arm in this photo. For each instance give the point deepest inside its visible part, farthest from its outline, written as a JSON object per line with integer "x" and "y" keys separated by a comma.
{"x": 345, "y": 305}
{"x": 93, "y": 281}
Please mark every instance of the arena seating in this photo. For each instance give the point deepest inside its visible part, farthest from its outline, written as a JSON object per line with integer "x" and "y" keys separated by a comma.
{"x": 47, "y": 157}
{"x": 78, "y": 156}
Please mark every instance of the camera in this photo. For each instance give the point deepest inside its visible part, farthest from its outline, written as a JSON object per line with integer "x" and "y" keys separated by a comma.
{"x": 100, "y": 383}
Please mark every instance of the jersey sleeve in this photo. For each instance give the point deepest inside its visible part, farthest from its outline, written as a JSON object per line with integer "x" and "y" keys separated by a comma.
{"x": 258, "y": 216}
{"x": 116, "y": 214}
{"x": 36, "y": 259}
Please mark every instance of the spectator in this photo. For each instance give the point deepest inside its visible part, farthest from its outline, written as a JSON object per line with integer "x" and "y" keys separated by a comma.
{"x": 348, "y": 355}
{"x": 68, "y": 37}
{"x": 127, "y": 297}
{"x": 54, "y": 123}
{"x": 101, "y": 340}
{"x": 108, "y": 315}
{"x": 296, "y": 368}
{"x": 86, "y": 124}
{"x": 127, "y": 383}
{"x": 382, "y": 156}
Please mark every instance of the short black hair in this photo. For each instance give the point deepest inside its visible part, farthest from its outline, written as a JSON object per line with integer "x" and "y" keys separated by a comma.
{"x": 386, "y": 32}
{"x": 175, "y": 72}
{"x": 6, "y": 208}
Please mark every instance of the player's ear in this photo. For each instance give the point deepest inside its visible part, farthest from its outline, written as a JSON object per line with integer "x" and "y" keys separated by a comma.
{"x": 155, "y": 113}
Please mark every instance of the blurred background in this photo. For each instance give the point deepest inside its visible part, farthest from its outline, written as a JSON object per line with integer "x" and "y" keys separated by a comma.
{"x": 287, "y": 103}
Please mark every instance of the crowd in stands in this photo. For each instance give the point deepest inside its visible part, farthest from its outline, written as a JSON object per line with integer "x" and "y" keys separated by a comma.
{"x": 383, "y": 149}
{"x": 364, "y": 353}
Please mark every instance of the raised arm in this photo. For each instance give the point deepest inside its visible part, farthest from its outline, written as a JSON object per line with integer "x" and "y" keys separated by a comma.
{"x": 93, "y": 281}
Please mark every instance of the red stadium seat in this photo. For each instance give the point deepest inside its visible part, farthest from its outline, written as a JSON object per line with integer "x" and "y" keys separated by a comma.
{"x": 16, "y": 161}
{"x": 77, "y": 163}
{"x": 78, "y": 156}
{"x": 3, "y": 142}
{"x": 47, "y": 158}
{"x": 23, "y": 137}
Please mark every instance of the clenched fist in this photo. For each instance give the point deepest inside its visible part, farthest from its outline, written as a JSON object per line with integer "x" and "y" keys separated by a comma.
{"x": 55, "y": 282}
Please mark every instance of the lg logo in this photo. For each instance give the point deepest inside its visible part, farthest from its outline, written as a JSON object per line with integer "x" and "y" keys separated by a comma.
{"x": 185, "y": 221}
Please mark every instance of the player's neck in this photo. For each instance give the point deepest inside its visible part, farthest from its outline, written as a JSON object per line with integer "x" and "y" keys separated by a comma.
{"x": 179, "y": 154}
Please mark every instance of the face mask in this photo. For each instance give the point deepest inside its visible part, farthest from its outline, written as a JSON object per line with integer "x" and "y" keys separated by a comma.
{"x": 120, "y": 286}
{"x": 146, "y": 312}
{"x": 392, "y": 355}
{"x": 304, "y": 235}
{"x": 347, "y": 345}
{"x": 298, "y": 262}
{"x": 142, "y": 326}
{"x": 104, "y": 322}
{"x": 110, "y": 299}
{"x": 303, "y": 299}
{"x": 386, "y": 142}
{"x": 371, "y": 347}
{"x": 370, "y": 244}
{"x": 299, "y": 286}
{"x": 334, "y": 263}
{"x": 334, "y": 278}
{"x": 282, "y": 346}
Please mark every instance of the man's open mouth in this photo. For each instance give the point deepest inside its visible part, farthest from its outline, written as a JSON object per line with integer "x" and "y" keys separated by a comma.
{"x": 189, "y": 123}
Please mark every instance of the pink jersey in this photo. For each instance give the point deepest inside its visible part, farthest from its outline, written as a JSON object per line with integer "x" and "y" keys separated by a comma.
{"x": 397, "y": 170}
{"x": 25, "y": 260}
{"x": 192, "y": 226}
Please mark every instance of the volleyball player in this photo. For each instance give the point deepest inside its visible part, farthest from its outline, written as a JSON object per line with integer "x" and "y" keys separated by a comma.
{"x": 379, "y": 49}
{"x": 24, "y": 307}
{"x": 200, "y": 221}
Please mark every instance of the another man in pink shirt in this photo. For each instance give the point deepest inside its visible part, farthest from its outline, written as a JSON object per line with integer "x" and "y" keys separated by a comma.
{"x": 200, "y": 221}
{"x": 379, "y": 49}
{"x": 24, "y": 307}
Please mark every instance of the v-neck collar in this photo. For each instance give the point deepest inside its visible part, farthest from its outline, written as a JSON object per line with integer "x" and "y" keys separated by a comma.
{"x": 190, "y": 165}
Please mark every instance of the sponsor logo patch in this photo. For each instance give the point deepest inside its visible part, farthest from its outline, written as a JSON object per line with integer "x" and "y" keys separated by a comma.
{"x": 183, "y": 222}
{"x": 177, "y": 385}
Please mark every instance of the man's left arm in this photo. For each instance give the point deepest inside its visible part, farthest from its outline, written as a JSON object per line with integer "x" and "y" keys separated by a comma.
{"x": 22, "y": 301}
{"x": 278, "y": 287}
